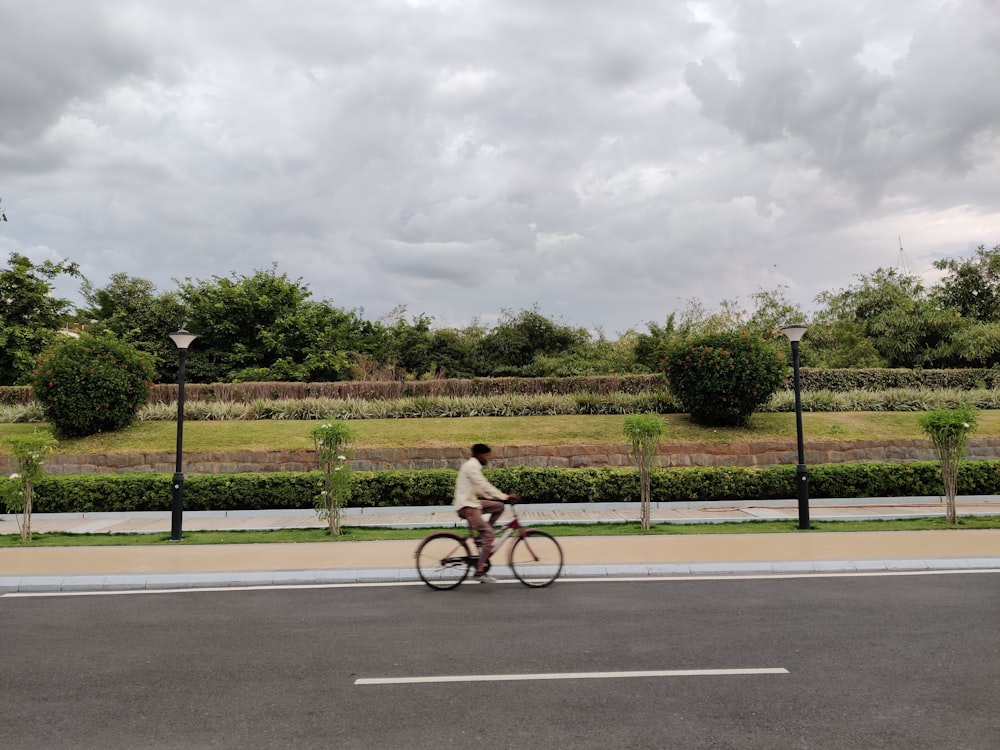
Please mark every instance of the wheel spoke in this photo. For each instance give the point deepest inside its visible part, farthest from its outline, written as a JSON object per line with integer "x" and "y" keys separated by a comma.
{"x": 443, "y": 560}
{"x": 536, "y": 559}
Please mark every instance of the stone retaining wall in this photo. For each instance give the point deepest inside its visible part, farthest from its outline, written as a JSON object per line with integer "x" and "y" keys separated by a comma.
{"x": 750, "y": 453}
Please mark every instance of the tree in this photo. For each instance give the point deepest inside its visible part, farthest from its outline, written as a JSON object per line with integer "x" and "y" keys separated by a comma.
{"x": 235, "y": 320}
{"x": 949, "y": 430}
{"x": 30, "y": 452}
{"x": 130, "y": 308}
{"x": 897, "y": 316}
{"x": 594, "y": 356}
{"x": 314, "y": 342}
{"x": 30, "y": 317}
{"x": 644, "y": 431}
{"x": 978, "y": 344}
{"x": 772, "y": 310}
{"x": 333, "y": 450}
{"x": 511, "y": 346}
{"x": 420, "y": 350}
{"x": 837, "y": 339}
{"x": 972, "y": 286}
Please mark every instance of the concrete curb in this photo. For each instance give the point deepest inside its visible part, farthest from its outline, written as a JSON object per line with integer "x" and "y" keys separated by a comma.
{"x": 13, "y": 585}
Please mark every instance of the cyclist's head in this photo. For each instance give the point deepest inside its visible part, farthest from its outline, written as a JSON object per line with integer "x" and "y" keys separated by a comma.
{"x": 481, "y": 451}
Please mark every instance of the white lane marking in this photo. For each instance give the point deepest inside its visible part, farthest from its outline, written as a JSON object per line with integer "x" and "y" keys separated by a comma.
{"x": 566, "y": 676}
{"x": 215, "y": 589}
{"x": 692, "y": 577}
{"x": 778, "y": 576}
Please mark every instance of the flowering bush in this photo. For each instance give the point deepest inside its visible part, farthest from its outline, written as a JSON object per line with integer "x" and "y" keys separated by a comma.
{"x": 722, "y": 379}
{"x": 91, "y": 384}
{"x": 17, "y": 492}
{"x": 333, "y": 441}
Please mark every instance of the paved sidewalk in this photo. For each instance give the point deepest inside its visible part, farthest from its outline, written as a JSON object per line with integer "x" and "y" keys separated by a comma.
{"x": 53, "y": 569}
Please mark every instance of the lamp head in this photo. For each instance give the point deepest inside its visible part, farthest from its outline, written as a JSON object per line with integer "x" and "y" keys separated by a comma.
{"x": 794, "y": 332}
{"x": 182, "y": 338}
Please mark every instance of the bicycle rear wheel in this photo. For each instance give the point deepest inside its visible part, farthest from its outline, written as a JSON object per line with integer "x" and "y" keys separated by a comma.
{"x": 443, "y": 560}
{"x": 536, "y": 559}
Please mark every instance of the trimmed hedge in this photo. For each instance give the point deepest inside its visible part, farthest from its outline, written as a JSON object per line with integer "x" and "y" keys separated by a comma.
{"x": 883, "y": 379}
{"x": 812, "y": 380}
{"x": 80, "y": 493}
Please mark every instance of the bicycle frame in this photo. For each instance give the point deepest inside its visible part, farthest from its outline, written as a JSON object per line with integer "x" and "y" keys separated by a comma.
{"x": 509, "y": 528}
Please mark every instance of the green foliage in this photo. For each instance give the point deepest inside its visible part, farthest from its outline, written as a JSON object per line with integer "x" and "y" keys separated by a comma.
{"x": 30, "y": 452}
{"x": 131, "y": 309}
{"x": 434, "y": 487}
{"x": 265, "y": 327}
{"x": 949, "y": 430}
{"x": 30, "y": 316}
{"x": 722, "y": 379}
{"x": 419, "y": 351}
{"x": 643, "y": 431}
{"x": 333, "y": 449}
{"x": 12, "y": 493}
{"x": 771, "y": 309}
{"x": 978, "y": 344}
{"x": 971, "y": 286}
{"x": 898, "y": 317}
{"x": 511, "y": 347}
{"x": 839, "y": 343}
{"x": 91, "y": 384}
{"x": 949, "y": 427}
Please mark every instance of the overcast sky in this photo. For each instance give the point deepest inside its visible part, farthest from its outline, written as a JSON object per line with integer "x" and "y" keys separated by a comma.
{"x": 605, "y": 160}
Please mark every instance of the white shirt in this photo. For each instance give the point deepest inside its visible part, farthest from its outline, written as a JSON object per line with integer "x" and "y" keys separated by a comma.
{"x": 472, "y": 485}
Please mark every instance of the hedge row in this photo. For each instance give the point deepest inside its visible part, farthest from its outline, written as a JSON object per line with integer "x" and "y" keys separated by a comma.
{"x": 660, "y": 402}
{"x": 152, "y": 492}
{"x": 395, "y": 389}
{"x": 885, "y": 379}
{"x": 812, "y": 380}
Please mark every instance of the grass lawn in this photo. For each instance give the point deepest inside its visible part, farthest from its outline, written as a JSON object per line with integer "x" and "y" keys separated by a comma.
{"x": 207, "y": 436}
{"x": 368, "y": 534}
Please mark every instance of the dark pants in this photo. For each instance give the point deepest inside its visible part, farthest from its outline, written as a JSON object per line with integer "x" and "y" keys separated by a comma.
{"x": 474, "y": 517}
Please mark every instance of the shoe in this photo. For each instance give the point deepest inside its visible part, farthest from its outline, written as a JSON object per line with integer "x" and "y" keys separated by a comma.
{"x": 486, "y": 578}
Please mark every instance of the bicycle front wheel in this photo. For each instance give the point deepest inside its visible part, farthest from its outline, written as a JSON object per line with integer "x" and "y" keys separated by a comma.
{"x": 536, "y": 559}
{"x": 443, "y": 560}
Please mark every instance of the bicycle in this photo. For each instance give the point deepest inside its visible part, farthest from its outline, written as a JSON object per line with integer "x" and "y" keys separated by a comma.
{"x": 444, "y": 559}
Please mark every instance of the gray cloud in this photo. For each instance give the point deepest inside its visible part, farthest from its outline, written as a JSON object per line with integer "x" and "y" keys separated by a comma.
{"x": 605, "y": 161}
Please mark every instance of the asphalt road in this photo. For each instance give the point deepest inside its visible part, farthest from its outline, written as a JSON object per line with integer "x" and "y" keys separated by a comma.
{"x": 872, "y": 662}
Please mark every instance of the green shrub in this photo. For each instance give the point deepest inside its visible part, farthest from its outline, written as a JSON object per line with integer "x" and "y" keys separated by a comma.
{"x": 721, "y": 379}
{"x": 333, "y": 442}
{"x": 91, "y": 384}
{"x": 80, "y": 493}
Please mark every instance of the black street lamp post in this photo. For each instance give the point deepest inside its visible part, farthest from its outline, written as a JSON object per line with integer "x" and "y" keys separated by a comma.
{"x": 795, "y": 334}
{"x": 183, "y": 340}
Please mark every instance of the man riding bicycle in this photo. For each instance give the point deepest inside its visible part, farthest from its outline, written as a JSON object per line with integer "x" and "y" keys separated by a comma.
{"x": 474, "y": 496}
